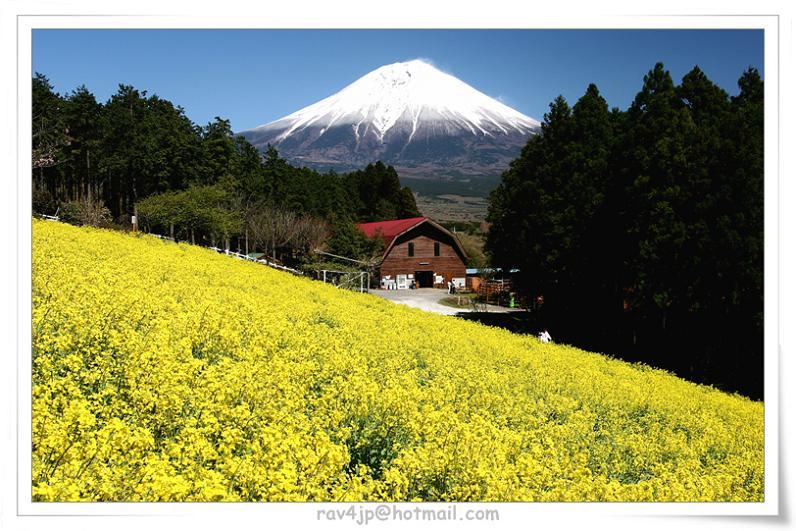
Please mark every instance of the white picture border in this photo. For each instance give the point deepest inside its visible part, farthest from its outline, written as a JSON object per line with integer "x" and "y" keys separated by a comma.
{"x": 331, "y": 16}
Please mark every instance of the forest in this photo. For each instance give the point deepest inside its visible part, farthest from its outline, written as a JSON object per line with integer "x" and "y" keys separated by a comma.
{"x": 639, "y": 233}
{"x": 138, "y": 154}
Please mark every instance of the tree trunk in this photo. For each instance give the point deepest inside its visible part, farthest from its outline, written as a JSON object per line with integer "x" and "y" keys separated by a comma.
{"x": 135, "y": 192}
{"x": 88, "y": 175}
{"x": 120, "y": 202}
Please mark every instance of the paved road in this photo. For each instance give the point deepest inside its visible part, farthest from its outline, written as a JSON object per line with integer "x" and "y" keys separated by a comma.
{"x": 427, "y": 299}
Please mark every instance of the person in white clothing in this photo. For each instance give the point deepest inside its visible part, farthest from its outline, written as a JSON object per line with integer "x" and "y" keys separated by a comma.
{"x": 545, "y": 337}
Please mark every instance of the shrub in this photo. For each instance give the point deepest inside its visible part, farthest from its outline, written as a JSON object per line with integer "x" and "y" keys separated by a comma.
{"x": 83, "y": 212}
{"x": 43, "y": 202}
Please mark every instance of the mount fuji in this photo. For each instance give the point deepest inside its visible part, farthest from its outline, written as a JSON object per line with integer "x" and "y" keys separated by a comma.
{"x": 426, "y": 123}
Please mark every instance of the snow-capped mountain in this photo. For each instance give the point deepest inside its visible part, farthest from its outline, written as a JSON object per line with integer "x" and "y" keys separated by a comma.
{"x": 423, "y": 121}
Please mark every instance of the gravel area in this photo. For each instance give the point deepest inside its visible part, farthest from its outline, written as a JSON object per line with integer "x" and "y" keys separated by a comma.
{"x": 428, "y": 299}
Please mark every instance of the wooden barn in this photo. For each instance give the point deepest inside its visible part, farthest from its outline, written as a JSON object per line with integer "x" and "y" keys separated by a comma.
{"x": 417, "y": 253}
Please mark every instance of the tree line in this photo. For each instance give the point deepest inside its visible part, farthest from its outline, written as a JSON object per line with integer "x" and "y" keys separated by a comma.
{"x": 640, "y": 232}
{"x": 140, "y": 154}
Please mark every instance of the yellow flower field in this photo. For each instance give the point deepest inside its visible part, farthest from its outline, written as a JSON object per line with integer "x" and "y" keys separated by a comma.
{"x": 166, "y": 372}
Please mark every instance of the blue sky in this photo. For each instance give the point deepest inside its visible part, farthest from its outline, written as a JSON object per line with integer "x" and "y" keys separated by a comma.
{"x": 252, "y": 77}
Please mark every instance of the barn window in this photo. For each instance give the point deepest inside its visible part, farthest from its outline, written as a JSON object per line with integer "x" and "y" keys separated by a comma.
{"x": 411, "y": 249}
{"x": 436, "y": 248}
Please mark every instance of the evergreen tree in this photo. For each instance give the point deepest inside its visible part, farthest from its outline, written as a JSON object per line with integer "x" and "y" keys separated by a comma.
{"x": 525, "y": 232}
{"x": 591, "y": 254}
{"x": 82, "y": 114}
{"x": 123, "y": 145}
{"x": 658, "y": 134}
{"x": 378, "y": 194}
{"x": 218, "y": 150}
{"x": 48, "y": 131}
{"x": 348, "y": 241}
{"x": 643, "y": 228}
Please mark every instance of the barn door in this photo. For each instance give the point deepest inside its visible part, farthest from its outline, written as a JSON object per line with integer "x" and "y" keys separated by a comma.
{"x": 425, "y": 279}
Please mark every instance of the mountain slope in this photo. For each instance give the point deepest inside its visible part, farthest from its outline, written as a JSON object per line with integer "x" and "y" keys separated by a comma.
{"x": 411, "y": 115}
{"x": 170, "y": 372}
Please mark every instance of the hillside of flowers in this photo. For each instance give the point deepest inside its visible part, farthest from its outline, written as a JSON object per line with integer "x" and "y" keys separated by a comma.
{"x": 166, "y": 372}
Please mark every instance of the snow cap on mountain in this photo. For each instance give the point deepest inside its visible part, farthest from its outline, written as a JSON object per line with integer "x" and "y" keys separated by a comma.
{"x": 412, "y": 94}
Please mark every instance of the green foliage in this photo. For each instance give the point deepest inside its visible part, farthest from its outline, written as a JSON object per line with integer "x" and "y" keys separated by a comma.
{"x": 43, "y": 202}
{"x": 544, "y": 213}
{"x": 467, "y": 227}
{"x": 199, "y": 208}
{"x": 350, "y": 242}
{"x": 644, "y": 222}
{"x": 331, "y": 265}
{"x": 378, "y": 194}
{"x": 473, "y": 246}
{"x": 139, "y": 152}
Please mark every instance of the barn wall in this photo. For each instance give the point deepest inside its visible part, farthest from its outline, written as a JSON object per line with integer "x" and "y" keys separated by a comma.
{"x": 449, "y": 263}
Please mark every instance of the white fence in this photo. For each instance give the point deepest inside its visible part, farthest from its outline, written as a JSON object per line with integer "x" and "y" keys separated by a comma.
{"x": 54, "y": 217}
{"x": 263, "y": 261}
{"x": 240, "y": 256}
{"x": 353, "y": 280}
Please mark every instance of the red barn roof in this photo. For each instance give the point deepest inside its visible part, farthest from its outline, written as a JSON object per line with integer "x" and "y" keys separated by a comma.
{"x": 388, "y": 230}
